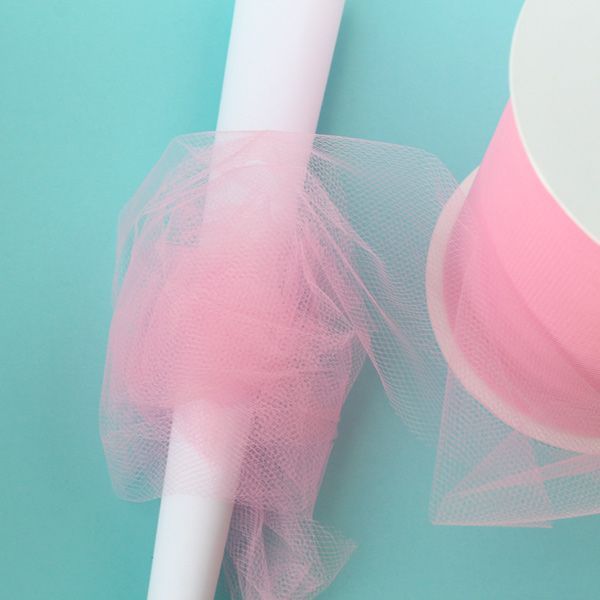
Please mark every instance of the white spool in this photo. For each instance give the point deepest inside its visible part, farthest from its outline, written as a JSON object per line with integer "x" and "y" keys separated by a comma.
{"x": 555, "y": 91}
{"x": 278, "y": 61}
{"x": 554, "y": 81}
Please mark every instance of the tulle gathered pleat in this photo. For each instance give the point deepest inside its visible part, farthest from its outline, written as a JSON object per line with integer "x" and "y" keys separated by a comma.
{"x": 256, "y": 272}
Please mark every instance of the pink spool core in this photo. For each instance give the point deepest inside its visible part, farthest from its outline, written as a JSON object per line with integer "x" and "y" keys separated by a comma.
{"x": 513, "y": 287}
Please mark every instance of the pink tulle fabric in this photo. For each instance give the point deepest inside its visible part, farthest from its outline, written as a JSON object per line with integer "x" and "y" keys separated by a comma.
{"x": 257, "y": 271}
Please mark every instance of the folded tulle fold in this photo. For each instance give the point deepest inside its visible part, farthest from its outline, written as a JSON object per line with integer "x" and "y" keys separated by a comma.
{"x": 256, "y": 272}
{"x": 274, "y": 555}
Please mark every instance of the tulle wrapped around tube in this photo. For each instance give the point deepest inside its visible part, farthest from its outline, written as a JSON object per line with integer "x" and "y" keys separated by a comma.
{"x": 255, "y": 273}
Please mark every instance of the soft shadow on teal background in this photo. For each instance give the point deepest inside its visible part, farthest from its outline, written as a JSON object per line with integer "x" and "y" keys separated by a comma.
{"x": 91, "y": 92}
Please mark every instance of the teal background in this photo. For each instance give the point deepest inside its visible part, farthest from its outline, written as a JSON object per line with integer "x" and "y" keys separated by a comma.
{"x": 90, "y": 94}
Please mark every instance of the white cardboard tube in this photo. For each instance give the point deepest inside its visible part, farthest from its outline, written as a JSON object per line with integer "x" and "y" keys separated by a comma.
{"x": 278, "y": 61}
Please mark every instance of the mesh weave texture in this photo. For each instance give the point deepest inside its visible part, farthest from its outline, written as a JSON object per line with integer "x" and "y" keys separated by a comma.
{"x": 257, "y": 271}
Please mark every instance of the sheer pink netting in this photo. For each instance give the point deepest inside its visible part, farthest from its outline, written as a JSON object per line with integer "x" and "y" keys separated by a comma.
{"x": 255, "y": 273}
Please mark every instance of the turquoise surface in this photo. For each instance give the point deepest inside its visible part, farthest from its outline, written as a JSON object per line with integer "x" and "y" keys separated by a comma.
{"x": 91, "y": 92}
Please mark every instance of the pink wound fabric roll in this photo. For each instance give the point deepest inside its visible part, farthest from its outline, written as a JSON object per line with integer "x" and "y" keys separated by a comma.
{"x": 513, "y": 290}
{"x": 531, "y": 296}
{"x": 255, "y": 273}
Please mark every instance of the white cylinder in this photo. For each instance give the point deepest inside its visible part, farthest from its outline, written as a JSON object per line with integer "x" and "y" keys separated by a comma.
{"x": 278, "y": 61}
{"x": 555, "y": 92}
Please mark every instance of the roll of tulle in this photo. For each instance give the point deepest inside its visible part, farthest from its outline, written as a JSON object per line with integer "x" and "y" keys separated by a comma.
{"x": 257, "y": 271}
{"x": 513, "y": 287}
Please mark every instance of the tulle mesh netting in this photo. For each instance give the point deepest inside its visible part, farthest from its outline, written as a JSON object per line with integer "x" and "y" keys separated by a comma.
{"x": 256, "y": 272}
